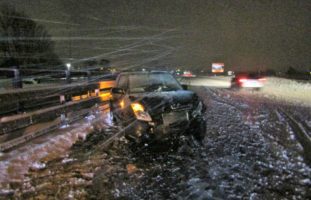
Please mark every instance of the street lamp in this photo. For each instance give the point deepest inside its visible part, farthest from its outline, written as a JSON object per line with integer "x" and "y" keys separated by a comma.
{"x": 67, "y": 72}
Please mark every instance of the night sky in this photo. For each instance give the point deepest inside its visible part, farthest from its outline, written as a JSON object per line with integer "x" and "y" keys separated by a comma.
{"x": 246, "y": 35}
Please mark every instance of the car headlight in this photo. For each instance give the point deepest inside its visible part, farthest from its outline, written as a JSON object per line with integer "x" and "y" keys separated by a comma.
{"x": 198, "y": 110}
{"x": 140, "y": 112}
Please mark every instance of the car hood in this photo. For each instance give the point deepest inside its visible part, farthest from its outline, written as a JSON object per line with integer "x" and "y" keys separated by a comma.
{"x": 157, "y": 102}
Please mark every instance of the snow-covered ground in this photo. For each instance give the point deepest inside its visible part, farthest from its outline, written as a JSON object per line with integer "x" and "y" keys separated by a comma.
{"x": 34, "y": 154}
{"x": 291, "y": 91}
{"x": 209, "y": 81}
{"x": 250, "y": 151}
{"x": 288, "y": 90}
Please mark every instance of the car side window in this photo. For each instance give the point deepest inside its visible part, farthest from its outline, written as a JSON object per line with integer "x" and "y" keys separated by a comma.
{"x": 122, "y": 83}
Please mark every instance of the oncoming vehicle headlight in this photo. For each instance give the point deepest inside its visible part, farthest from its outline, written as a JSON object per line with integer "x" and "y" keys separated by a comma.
{"x": 140, "y": 112}
{"x": 198, "y": 110}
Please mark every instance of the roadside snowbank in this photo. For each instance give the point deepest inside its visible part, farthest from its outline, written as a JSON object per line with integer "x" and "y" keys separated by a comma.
{"x": 288, "y": 90}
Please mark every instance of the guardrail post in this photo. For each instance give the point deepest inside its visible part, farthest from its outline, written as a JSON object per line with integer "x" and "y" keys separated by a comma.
{"x": 88, "y": 73}
{"x": 17, "y": 79}
{"x": 62, "y": 99}
{"x": 97, "y": 92}
{"x": 68, "y": 78}
{"x": 63, "y": 120}
{"x": 68, "y": 98}
{"x": 20, "y": 107}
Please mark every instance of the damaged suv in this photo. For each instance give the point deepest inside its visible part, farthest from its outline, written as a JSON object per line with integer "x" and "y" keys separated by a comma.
{"x": 154, "y": 106}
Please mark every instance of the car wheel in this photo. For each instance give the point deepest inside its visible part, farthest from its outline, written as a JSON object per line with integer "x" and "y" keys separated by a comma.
{"x": 198, "y": 129}
{"x": 111, "y": 113}
{"x": 112, "y": 117}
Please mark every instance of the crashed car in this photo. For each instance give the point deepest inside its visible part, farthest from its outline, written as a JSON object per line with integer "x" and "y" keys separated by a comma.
{"x": 154, "y": 106}
{"x": 245, "y": 80}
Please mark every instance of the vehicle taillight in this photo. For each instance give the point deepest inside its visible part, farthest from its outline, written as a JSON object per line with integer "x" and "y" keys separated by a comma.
{"x": 242, "y": 80}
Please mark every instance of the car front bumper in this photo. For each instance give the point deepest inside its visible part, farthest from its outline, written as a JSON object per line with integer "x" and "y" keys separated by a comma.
{"x": 141, "y": 131}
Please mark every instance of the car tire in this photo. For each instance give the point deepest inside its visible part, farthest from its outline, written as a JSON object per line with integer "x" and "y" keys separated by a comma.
{"x": 198, "y": 129}
{"x": 112, "y": 117}
{"x": 111, "y": 113}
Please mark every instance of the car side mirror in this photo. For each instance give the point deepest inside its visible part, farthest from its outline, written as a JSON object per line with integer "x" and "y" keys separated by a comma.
{"x": 185, "y": 87}
{"x": 117, "y": 93}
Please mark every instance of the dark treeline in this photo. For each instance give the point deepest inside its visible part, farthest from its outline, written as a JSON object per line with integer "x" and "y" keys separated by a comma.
{"x": 24, "y": 43}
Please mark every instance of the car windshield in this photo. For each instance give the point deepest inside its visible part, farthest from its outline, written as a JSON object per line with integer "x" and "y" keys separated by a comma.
{"x": 152, "y": 82}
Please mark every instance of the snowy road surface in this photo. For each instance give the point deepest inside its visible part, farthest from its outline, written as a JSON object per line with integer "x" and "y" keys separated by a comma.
{"x": 250, "y": 151}
{"x": 282, "y": 89}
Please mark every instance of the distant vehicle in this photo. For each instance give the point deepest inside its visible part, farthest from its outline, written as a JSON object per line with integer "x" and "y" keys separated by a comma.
{"x": 154, "y": 106}
{"x": 244, "y": 80}
{"x": 188, "y": 74}
{"x": 230, "y": 73}
{"x": 178, "y": 72}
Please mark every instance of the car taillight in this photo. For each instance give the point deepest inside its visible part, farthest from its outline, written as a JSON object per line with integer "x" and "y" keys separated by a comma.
{"x": 242, "y": 80}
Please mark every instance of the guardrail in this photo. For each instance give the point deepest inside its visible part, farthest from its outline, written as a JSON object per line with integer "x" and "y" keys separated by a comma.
{"x": 17, "y": 74}
{"x": 23, "y": 100}
{"x": 69, "y": 99}
{"x": 27, "y": 99}
{"x": 9, "y": 143}
{"x": 19, "y": 121}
